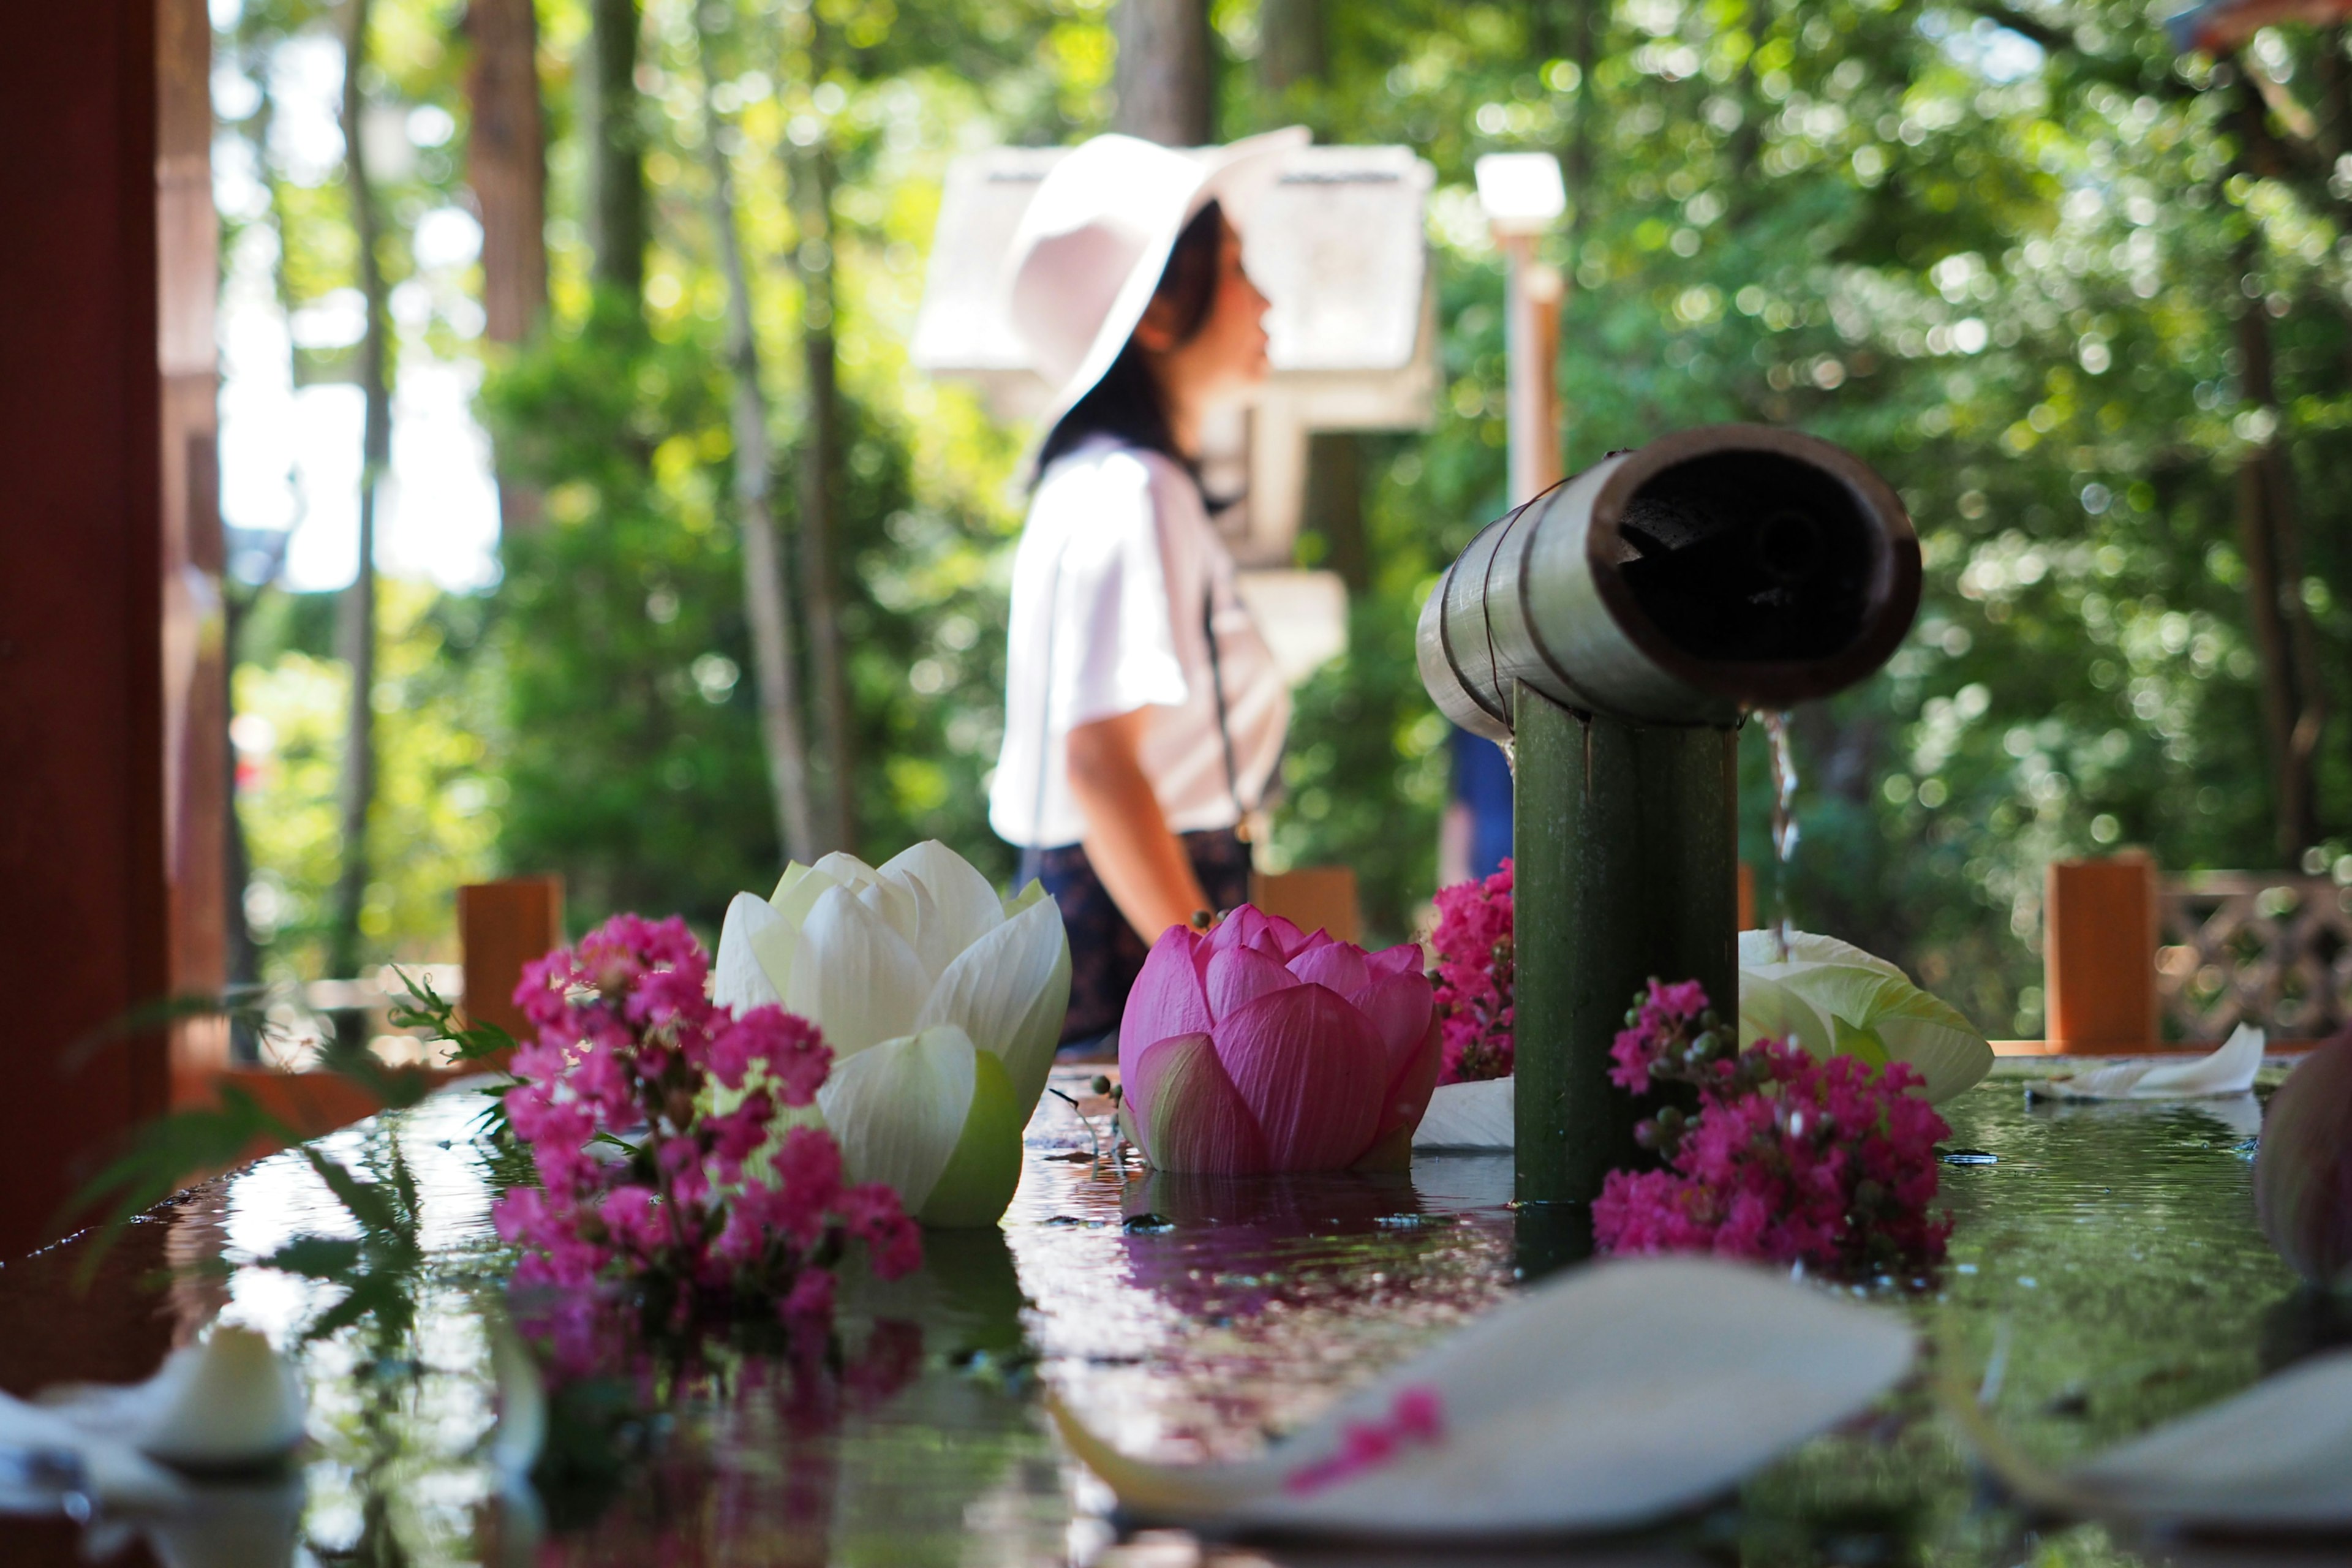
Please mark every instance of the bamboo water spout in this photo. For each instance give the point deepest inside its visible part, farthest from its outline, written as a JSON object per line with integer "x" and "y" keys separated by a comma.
{"x": 1614, "y": 632}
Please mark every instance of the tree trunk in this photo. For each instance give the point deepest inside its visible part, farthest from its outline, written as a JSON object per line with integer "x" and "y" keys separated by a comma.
{"x": 506, "y": 162}
{"x": 617, "y": 212}
{"x": 1292, "y": 46}
{"x": 809, "y": 178}
{"x": 1164, "y": 77}
{"x": 2294, "y": 702}
{"x": 764, "y": 602}
{"x": 355, "y": 615}
{"x": 1335, "y": 505}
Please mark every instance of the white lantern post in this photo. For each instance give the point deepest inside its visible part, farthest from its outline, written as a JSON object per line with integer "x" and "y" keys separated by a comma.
{"x": 1524, "y": 198}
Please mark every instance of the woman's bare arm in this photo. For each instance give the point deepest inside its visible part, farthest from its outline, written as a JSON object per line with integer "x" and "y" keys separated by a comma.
{"x": 1140, "y": 861}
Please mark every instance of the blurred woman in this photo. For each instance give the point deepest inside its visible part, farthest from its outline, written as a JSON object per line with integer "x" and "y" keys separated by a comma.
{"x": 1144, "y": 716}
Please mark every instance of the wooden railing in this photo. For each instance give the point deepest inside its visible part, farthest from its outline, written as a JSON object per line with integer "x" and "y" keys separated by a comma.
{"x": 2130, "y": 956}
{"x": 502, "y": 926}
{"x": 2251, "y": 947}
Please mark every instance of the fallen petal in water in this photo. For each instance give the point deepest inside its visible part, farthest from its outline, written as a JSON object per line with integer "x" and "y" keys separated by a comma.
{"x": 2228, "y": 1068}
{"x": 2274, "y": 1459}
{"x": 1614, "y": 1396}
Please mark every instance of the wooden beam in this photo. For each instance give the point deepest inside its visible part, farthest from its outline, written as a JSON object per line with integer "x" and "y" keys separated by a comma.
{"x": 2099, "y": 954}
{"x": 107, "y": 574}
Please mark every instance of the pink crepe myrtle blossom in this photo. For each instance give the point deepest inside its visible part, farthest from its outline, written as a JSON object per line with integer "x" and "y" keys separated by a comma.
{"x": 644, "y": 1187}
{"x": 1475, "y": 978}
{"x": 1255, "y": 1047}
{"x": 1790, "y": 1158}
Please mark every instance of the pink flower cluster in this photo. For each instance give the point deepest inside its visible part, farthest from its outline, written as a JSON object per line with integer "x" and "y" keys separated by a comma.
{"x": 1472, "y": 941}
{"x": 645, "y": 1186}
{"x": 1790, "y": 1158}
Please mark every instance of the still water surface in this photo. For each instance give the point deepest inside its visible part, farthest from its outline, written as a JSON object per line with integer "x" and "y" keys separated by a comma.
{"x": 2105, "y": 1275}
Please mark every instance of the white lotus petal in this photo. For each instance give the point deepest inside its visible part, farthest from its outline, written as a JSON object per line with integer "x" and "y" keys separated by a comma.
{"x": 797, "y": 892}
{"x": 898, "y": 1108}
{"x": 993, "y": 989}
{"x": 1029, "y": 1059}
{"x": 1768, "y": 1010}
{"x": 1759, "y": 950}
{"x": 846, "y": 869}
{"x": 2276, "y": 1458}
{"x": 1032, "y": 893}
{"x": 853, "y": 976}
{"x": 2228, "y": 1068}
{"x": 894, "y": 902}
{"x": 1860, "y": 1005}
{"x": 117, "y": 1474}
{"x": 229, "y": 1401}
{"x": 1477, "y": 1115}
{"x": 755, "y": 955}
{"x": 1608, "y": 1397}
{"x": 962, "y": 907}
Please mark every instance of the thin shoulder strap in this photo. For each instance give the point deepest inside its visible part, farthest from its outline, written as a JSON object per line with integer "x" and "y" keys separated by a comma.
{"x": 1217, "y": 685}
{"x": 1045, "y": 710}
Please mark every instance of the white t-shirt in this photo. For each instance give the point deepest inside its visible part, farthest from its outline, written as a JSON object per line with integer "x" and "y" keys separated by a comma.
{"x": 1114, "y": 568}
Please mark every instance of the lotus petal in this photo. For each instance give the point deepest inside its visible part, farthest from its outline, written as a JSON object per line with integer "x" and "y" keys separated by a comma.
{"x": 1400, "y": 1009}
{"x": 845, "y": 870}
{"x": 797, "y": 892}
{"x": 115, "y": 1473}
{"x": 1768, "y": 1010}
{"x": 1241, "y": 975}
{"x": 1199, "y": 1121}
{"x": 1865, "y": 1006}
{"x": 962, "y": 908}
{"x": 1481, "y": 1114}
{"x": 2277, "y": 1457}
{"x": 998, "y": 992}
{"x": 898, "y": 1108}
{"x": 2303, "y": 1167}
{"x": 894, "y": 901}
{"x": 1335, "y": 965}
{"x": 231, "y": 1403}
{"x": 1307, "y": 1065}
{"x": 1168, "y": 998}
{"x": 1412, "y": 1078}
{"x": 854, "y": 975}
{"x": 977, "y": 1186}
{"x": 1606, "y": 1398}
{"x": 2275, "y": 1460}
{"x": 1405, "y": 958}
{"x": 755, "y": 955}
{"x": 1761, "y": 950}
{"x": 2228, "y": 1068}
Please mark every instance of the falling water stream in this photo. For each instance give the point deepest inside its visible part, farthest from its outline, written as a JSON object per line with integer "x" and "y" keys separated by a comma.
{"x": 1784, "y": 823}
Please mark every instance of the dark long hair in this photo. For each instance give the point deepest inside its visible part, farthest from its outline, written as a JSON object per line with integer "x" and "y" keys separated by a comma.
{"x": 1128, "y": 403}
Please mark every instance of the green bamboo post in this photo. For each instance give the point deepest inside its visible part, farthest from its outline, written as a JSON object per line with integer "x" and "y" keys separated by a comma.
{"x": 1625, "y": 856}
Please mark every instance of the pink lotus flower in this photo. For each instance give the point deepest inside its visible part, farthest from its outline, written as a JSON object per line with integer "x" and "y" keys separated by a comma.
{"x": 1254, "y": 1048}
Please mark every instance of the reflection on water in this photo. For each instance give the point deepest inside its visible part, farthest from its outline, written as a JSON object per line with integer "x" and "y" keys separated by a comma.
{"x": 2105, "y": 1275}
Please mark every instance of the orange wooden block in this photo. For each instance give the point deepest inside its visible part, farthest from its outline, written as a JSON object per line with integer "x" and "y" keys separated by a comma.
{"x": 1312, "y": 898}
{"x": 502, "y": 926}
{"x": 2099, "y": 938}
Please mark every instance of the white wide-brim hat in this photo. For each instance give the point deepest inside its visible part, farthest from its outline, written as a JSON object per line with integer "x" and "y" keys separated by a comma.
{"x": 1091, "y": 247}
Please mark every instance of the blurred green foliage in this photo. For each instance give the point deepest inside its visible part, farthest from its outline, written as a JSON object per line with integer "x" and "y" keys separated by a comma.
{"x": 2001, "y": 253}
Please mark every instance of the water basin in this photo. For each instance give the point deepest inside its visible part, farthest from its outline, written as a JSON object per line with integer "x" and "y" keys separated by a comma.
{"x": 2105, "y": 1275}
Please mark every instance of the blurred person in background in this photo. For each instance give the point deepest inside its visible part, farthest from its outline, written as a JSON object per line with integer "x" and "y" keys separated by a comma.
{"x": 1144, "y": 715}
{"x": 1474, "y": 836}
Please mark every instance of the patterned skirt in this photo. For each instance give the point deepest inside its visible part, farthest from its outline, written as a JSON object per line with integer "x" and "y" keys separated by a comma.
{"x": 1105, "y": 955}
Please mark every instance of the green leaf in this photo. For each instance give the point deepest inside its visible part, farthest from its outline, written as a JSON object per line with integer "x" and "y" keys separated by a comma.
{"x": 318, "y": 1257}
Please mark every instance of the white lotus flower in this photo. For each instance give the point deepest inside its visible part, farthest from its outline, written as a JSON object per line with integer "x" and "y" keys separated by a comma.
{"x": 942, "y": 1004}
{"x": 1832, "y": 998}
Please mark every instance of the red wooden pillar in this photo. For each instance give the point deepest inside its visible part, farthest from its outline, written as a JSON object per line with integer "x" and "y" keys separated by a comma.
{"x": 502, "y": 926}
{"x": 111, "y": 771}
{"x": 2099, "y": 935}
